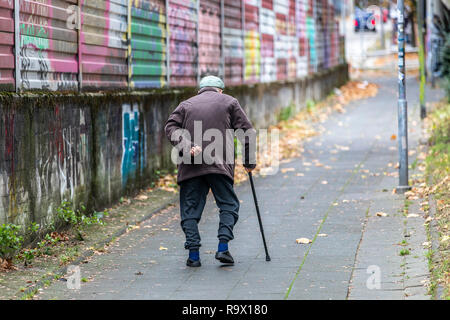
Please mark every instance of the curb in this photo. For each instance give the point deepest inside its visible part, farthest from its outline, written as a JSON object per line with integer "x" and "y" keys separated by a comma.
{"x": 62, "y": 271}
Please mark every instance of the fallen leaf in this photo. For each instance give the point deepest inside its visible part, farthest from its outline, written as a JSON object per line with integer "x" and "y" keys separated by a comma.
{"x": 284, "y": 170}
{"x": 303, "y": 240}
{"x": 381, "y": 214}
{"x": 393, "y": 137}
{"x": 412, "y": 215}
{"x": 324, "y": 182}
{"x": 322, "y": 235}
{"x": 162, "y": 248}
{"x": 141, "y": 197}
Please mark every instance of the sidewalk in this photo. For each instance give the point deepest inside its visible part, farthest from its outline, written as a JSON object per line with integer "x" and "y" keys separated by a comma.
{"x": 335, "y": 208}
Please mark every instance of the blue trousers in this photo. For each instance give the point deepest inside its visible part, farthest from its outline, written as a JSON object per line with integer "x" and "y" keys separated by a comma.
{"x": 193, "y": 193}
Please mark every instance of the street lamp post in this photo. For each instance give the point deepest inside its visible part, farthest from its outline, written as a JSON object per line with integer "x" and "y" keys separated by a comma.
{"x": 402, "y": 104}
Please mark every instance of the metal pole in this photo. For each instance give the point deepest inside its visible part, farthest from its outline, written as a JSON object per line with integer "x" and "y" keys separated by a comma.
{"x": 402, "y": 104}
{"x": 168, "y": 42}
{"x": 222, "y": 43}
{"x": 17, "y": 46}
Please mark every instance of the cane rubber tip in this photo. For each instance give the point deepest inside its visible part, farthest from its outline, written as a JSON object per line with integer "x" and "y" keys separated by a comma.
{"x": 267, "y": 258}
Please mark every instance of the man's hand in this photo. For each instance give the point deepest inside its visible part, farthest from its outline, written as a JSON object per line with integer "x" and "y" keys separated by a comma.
{"x": 249, "y": 169}
{"x": 195, "y": 150}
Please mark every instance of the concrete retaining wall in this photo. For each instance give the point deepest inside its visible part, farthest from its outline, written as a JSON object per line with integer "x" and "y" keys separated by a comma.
{"x": 95, "y": 148}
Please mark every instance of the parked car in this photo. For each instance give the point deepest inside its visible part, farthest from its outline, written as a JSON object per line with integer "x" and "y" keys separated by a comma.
{"x": 364, "y": 21}
{"x": 385, "y": 14}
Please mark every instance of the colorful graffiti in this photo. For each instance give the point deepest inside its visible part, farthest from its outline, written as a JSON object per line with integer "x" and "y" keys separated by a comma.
{"x": 48, "y": 49}
{"x": 209, "y": 38}
{"x": 138, "y": 44}
{"x": 147, "y": 46}
{"x": 103, "y": 41}
{"x": 233, "y": 41}
{"x": 183, "y": 19}
{"x": 133, "y": 143}
{"x": 268, "y": 33}
{"x": 252, "y": 42}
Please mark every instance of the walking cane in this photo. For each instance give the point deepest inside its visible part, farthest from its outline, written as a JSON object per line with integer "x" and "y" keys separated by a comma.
{"x": 259, "y": 215}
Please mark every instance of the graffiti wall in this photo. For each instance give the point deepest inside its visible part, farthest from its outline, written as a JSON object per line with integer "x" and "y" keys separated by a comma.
{"x": 46, "y": 159}
{"x": 183, "y": 18}
{"x": 133, "y": 143}
{"x": 268, "y": 34}
{"x": 233, "y": 41}
{"x": 103, "y": 42}
{"x": 311, "y": 35}
{"x": 48, "y": 46}
{"x": 7, "y": 62}
{"x": 302, "y": 56}
{"x": 292, "y": 45}
{"x": 209, "y": 38}
{"x": 92, "y": 45}
{"x": 147, "y": 46}
{"x": 281, "y": 8}
{"x": 252, "y": 41}
{"x": 94, "y": 149}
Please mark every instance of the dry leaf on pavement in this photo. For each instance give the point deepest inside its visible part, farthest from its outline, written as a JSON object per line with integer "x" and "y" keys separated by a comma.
{"x": 303, "y": 240}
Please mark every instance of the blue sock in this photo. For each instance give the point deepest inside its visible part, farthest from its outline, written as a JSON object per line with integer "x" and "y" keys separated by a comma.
{"x": 223, "y": 246}
{"x": 194, "y": 255}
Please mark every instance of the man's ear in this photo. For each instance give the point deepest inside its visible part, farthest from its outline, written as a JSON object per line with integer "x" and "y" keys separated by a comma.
{"x": 220, "y": 91}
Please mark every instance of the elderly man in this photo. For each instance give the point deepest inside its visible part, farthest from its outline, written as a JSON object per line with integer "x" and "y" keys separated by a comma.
{"x": 209, "y": 110}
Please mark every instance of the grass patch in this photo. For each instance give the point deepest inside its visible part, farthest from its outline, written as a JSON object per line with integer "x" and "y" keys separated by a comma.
{"x": 438, "y": 175}
{"x": 404, "y": 252}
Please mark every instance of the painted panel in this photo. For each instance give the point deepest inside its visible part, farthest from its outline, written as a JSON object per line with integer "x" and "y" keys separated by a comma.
{"x": 334, "y": 44}
{"x": 268, "y": 32}
{"x": 311, "y": 34}
{"x": 302, "y": 55}
{"x": 233, "y": 42}
{"x": 292, "y": 42}
{"x": 209, "y": 38}
{"x": 341, "y": 49}
{"x": 7, "y": 62}
{"x": 281, "y": 8}
{"x": 148, "y": 48}
{"x": 48, "y": 45}
{"x": 320, "y": 34}
{"x": 104, "y": 43}
{"x": 252, "y": 42}
{"x": 183, "y": 19}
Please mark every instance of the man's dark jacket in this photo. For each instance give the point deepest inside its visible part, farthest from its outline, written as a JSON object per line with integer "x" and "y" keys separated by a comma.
{"x": 215, "y": 111}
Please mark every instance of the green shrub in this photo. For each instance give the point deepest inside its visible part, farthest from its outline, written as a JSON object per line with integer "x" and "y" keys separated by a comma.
{"x": 78, "y": 218}
{"x": 286, "y": 113}
{"x": 10, "y": 241}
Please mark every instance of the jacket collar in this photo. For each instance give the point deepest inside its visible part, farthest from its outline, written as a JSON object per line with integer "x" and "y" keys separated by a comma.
{"x": 207, "y": 89}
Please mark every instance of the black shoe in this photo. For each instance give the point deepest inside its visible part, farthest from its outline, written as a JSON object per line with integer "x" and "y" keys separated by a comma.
{"x": 193, "y": 263}
{"x": 224, "y": 257}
